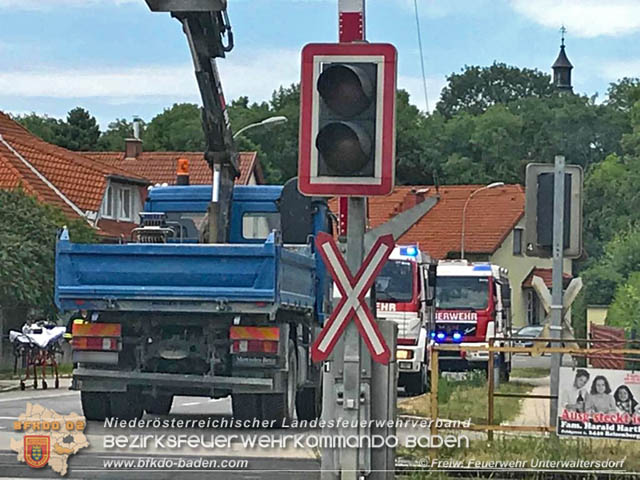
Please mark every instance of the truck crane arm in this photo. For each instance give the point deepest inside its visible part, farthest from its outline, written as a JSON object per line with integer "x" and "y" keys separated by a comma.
{"x": 206, "y": 26}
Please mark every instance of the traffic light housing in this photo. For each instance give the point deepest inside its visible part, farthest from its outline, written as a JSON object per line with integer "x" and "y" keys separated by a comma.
{"x": 539, "y": 193}
{"x": 347, "y": 119}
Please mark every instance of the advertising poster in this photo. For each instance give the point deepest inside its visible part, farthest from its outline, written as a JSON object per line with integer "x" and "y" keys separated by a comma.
{"x": 599, "y": 403}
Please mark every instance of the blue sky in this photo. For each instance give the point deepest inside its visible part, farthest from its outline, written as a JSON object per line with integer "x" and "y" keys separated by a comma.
{"x": 117, "y": 59}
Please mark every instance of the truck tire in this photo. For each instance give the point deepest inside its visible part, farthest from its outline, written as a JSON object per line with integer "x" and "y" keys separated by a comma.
{"x": 505, "y": 370}
{"x": 125, "y": 405}
{"x": 246, "y": 406}
{"x": 95, "y": 405}
{"x": 159, "y": 405}
{"x": 417, "y": 383}
{"x": 309, "y": 401}
{"x": 278, "y": 406}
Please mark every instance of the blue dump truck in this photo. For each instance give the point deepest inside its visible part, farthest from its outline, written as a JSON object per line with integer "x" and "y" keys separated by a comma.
{"x": 168, "y": 314}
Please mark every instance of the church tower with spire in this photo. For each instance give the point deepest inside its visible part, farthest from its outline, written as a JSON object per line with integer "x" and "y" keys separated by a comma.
{"x": 562, "y": 69}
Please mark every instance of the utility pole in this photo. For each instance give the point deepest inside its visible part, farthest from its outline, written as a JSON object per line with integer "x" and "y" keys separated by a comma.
{"x": 556, "y": 292}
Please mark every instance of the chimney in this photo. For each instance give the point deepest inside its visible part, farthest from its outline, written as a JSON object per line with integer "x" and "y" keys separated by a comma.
{"x": 133, "y": 146}
{"x": 412, "y": 198}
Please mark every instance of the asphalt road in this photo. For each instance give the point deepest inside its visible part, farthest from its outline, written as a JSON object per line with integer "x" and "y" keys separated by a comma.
{"x": 92, "y": 463}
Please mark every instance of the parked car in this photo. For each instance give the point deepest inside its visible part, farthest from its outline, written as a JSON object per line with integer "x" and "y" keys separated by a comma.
{"x": 522, "y": 336}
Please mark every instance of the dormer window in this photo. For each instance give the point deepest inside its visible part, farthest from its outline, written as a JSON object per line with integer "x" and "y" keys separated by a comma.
{"x": 107, "y": 205}
{"x": 120, "y": 202}
{"x": 124, "y": 201}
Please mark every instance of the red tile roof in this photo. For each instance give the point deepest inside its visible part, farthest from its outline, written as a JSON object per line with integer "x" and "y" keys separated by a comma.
{"x": 79, "y": 179}
{"x": 490, "y": 217}
{"x": 546, "y": 275}
{"x": 160, "y": 167}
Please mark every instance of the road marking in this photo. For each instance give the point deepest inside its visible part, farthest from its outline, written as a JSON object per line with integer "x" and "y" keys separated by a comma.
{"x": 17, "y": 399}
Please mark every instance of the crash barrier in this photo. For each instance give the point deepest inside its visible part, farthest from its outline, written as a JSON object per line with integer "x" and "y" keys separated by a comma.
{"x": 593, "y": 349}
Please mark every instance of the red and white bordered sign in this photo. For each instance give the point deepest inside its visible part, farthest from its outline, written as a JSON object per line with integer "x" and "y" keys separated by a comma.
{"x": 352, "y": 304}
{"x": 314, "y": 55}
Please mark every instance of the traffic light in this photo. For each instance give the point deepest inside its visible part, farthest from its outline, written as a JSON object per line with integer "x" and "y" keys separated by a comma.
{"x": 539, "y": 194}
{"x": 347, "y": 119}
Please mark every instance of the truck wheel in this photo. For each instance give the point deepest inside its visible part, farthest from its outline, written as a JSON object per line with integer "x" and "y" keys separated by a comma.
{"x": 278, "y": 406}
{"x": 309, "y": 401}
{"x": 505, "y": 370}
{"x": 95, "y": 405}
{"x": 125, "y": 405}
{"x": 160, "y": 405}
{"x": 246, "y": 406}
{"x": 417, "y": 383}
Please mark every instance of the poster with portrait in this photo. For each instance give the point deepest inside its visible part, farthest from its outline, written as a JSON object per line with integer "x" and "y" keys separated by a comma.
{"x": 594, "y": 402}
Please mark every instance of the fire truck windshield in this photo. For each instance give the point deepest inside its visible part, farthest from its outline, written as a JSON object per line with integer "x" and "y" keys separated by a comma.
{"x": 458, "y": 293}
{"x": 395, "y": 282}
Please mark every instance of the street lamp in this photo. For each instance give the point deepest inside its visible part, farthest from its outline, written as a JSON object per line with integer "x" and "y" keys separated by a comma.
{"x": 267, "y": 121}
{"x": 464, "y": 210}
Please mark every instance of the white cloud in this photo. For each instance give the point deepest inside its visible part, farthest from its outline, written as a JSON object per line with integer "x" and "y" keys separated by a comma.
{"x": 53, "y": 4}
{"x": 584, "y": 18}
{"x": 256, "y": 76}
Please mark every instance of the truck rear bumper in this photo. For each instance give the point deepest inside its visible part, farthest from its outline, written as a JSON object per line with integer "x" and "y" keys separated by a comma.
{"x": 98, "y": 380}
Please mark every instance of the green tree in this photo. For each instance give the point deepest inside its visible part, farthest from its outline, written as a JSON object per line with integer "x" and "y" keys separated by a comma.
{"x": 625, "y": 309}
{"x": 47, "y": 128}
{"x": 178, "y": 128}
{"x": 80, "y": 132}
{"x": 624, "y": 93}
{"x": 27, "y": 235}
{"x": 113, "y": 139}
{"x": 476, "y": 88}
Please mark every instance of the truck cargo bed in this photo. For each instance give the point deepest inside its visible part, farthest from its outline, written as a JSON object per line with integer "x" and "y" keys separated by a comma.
{"x": 182, "y": 277}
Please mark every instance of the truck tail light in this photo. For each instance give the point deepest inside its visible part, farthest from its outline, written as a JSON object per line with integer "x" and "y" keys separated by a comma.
{"x": 254, "y": 346}
{"x": 254, "y": 339}
{"x": 97, "y": 337}
{"x": 407, "y": 341}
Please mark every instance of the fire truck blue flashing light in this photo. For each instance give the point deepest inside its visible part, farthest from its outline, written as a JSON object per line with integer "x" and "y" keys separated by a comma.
{"x": 457, "y": 337}
{"x": 409, "y": 251}
{"x": 482, "y": 268}
{"x": 432, "y": 334}
{"x": 441, "y": 336}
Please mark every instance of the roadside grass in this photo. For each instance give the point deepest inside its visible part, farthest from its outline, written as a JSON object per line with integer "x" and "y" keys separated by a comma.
{"x": 467, "y": 399}
{"x": 533, "y": 372}
{"x": 64, "y": 370}
{"x": 528, "y": 449}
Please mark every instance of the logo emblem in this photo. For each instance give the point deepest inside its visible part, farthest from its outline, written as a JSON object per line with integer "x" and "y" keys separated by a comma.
{"x": 36, "y": 450}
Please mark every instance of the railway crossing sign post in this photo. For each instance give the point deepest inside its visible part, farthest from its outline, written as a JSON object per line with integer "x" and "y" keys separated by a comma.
{"x": 347, "y": 149}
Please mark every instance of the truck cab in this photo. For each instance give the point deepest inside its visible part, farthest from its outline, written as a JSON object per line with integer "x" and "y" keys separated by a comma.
{"x": 404, "y": 294}
{"x": 473, "y": 307}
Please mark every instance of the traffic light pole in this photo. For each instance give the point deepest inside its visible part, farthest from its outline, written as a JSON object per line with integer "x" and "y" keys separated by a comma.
{"x": 556, "y": 292}
{"x": 355, "y": 399}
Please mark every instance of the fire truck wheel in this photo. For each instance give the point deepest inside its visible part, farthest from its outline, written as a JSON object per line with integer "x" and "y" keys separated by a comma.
{"x": 159, "y": 405}
{"x": 417, "y": 383}
{"x": 246, "y": 406}
{"x": 278, "y": 406}
{"x": 125, "y": 405}
{"x": 95, "y": 405}
{"x": 505, "y": 370}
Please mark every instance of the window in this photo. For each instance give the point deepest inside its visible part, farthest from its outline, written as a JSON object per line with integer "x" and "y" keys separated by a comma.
{"x": 395, "y": 282}
{"x": 124, "y": 201}
{"x": 107, "y": 205}
{"x": 462, "y": 293}
{"x": 258, "y": 225}
{"x": 517, "y": 241}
